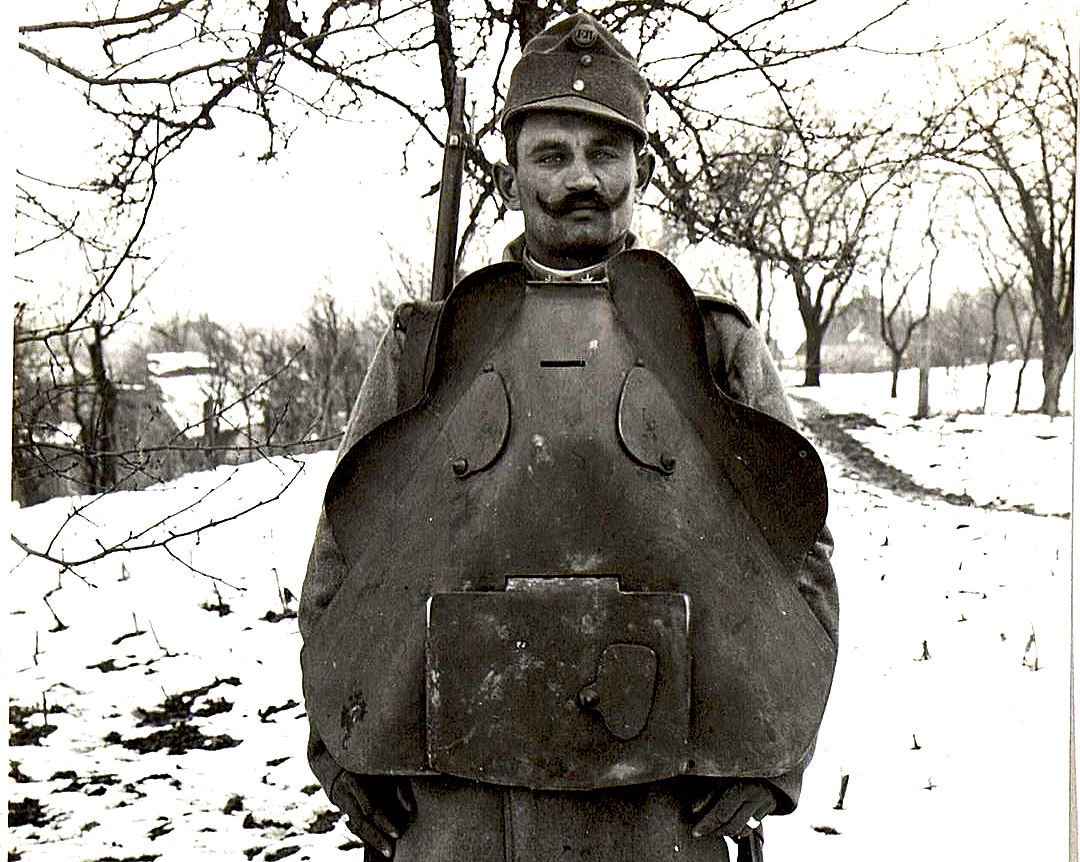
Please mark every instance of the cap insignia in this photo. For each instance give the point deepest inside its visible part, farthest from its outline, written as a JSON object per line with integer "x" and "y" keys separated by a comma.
{"x": 584, "y": 35}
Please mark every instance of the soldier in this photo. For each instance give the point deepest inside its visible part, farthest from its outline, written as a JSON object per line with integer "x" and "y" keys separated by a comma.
{"x": 604, "y": 773}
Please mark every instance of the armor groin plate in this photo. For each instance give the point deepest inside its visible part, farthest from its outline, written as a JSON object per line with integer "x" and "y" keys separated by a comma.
{"x": 561, "y": 683}
{"x": 572, "y": 432}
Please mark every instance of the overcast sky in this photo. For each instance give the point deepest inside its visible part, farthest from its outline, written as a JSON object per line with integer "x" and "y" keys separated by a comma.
{"x": 247, "y": 241}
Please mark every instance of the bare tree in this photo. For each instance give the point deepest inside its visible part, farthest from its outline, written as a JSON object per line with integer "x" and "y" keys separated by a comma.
{"x": 897, "y": 321}
{"x": 336, "y": 358}
{"x": 958, "y": 330}
{"x": 118, "y": 462}
{"x": 1000, "y": 290}
{"x": 1015, "y": 131}
{"x": 63, "y": 377}
{"x": 292, "y": 388}
{"x": 1002, "y": 277}
{"x": 73, "y": 340}
{"x": 799, "y": 194}
{"x": 162, "y": 73}
{"x": 1023, "y": 318}
{"x": 43, "y": 451}
{"x": 407, "y": 282}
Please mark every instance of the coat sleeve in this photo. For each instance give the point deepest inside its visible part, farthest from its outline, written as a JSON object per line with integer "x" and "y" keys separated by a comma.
{"x": 326, "y": 568}
{"x": 744, "y": 369}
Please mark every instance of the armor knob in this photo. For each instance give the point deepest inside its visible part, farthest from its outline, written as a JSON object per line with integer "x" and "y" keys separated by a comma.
{"x": 623, "y": 690}
{"x": 588, "y": 698}
{"x": 460, "y": 466}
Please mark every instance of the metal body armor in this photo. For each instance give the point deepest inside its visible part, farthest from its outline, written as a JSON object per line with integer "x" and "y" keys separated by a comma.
{"x": 573, "y": 563}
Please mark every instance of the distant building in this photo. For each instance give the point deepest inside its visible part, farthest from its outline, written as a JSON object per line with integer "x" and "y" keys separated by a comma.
{"x": 201, "y": 405}
{"x": 852, "y": 342}
{"x": 860, "y": 349}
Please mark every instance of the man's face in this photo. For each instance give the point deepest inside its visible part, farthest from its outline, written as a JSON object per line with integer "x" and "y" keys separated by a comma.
{"x": 576, "y": 181}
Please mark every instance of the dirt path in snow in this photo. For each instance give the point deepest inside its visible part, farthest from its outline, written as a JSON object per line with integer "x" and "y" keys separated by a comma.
{"x": 830, "y": 431}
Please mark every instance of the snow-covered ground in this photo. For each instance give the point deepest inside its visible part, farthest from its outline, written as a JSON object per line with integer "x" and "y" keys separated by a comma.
{"x": 1013, "y": 458}
{"x": 949, "y": 711}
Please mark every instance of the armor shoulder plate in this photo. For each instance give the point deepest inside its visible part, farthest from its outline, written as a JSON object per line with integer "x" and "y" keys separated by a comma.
{"x": 711, "y": 302}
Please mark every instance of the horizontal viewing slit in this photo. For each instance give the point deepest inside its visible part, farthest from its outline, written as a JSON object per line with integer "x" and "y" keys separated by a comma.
{"x": 562, "y": 363}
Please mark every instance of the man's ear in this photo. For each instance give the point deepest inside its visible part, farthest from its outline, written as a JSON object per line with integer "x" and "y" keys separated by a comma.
{"x": 646, "y": 164}
{"x": 506, "y": 183}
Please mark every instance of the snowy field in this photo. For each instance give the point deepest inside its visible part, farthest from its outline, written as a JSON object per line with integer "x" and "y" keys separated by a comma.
{"x": 175, "y": 727}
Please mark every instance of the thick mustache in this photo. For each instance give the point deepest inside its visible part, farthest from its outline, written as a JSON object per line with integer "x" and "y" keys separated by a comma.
{"x": 575, "y": 201}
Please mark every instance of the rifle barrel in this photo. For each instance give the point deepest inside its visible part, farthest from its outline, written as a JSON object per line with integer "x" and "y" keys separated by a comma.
{"x": 446, "y": 230}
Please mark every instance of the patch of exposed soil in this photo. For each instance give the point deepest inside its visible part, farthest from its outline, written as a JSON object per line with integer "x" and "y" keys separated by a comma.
{"x": 253, "y": 822}
{"x": 178, "y": 739}
{"x": 28, "y": 812}
{"x": 264, "y": 714}
{"x": 98, "y": 783}
{"x": 146, "y": 857}
{"x": 180, "y": 707}
{"x": 17, "y": 775}
{"x": 324, "y": 821}
{"x": 831, "y": 432}
{"x": 21, "y": 727}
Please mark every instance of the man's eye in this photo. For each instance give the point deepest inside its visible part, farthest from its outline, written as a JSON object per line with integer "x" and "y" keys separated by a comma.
{"x": 551, "y": 159}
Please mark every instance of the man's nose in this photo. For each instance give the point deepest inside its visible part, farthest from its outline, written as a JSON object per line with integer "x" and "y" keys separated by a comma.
{"x": 581, "y": 177}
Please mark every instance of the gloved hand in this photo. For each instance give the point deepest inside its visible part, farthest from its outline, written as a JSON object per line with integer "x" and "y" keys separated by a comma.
{"x": 379, "y": 808}
{"x": 727, "y": 806}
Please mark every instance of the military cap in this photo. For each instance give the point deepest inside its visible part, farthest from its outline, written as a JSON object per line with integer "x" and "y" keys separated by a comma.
{"x": 578, "y": 65}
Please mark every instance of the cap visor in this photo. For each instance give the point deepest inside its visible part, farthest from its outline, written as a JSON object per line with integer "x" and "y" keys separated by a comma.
{"x": 576, "y": 105}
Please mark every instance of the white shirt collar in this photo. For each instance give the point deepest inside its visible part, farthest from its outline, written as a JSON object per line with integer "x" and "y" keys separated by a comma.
{"x": 597, "y": 272}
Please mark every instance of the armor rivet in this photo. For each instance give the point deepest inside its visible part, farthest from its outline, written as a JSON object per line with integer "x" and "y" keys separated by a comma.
{"x": 586, "y": 60}
{"x": 667, "y": 463}
{"x": 578, "y": 85}
{"x": 802, "y": 453}
{"x": 588, "y": 698}
{"x": 460, "y": 467}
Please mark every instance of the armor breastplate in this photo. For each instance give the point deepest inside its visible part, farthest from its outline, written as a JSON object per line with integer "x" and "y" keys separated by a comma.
{"x": 573, "y": 563}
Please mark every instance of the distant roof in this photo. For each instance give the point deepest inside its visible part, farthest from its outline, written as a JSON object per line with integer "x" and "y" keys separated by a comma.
{"x": 173, "y": 364}
{"x": 64, "y": 433}
{"x": 187, "y": 380}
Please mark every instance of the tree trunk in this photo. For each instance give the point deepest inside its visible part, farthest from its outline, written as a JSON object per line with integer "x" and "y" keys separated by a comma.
{"x": 101, "y": 444}
{"x": 1025, "y": 344}
{"x": 209, "y": 423}
{"x": 1056, "y": 349}
{"x": 814, "y": 335}
{"x": 759, "y": 276}
{"x": 995, "y": 339}
{"x": 1056, "y": 353}
{"x": 923, "y": 410}
{"x": 897, "y": 355}
{"x": 1019, "y": 384}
